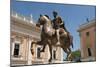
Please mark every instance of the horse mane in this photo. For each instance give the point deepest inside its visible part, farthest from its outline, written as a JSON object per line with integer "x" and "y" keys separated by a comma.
{"x": 47, "y": 19}
{"x": 47, "y": 16}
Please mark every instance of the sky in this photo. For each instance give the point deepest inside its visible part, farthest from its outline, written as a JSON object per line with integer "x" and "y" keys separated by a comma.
{"x": 72, "y": 15}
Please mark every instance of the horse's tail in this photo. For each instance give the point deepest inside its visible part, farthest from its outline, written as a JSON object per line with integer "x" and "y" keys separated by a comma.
{"x": 71, "y": 40}
{"x": 72, "y": 44}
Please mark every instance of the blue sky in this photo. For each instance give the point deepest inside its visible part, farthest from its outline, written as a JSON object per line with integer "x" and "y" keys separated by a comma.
{"x": 72, "y": 15}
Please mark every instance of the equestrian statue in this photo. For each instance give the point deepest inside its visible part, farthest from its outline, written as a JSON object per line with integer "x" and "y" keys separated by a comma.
{"x": 54, "y": 33}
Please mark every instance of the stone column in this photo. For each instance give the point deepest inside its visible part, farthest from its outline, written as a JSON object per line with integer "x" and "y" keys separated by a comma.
{"x": 61, "y": 55}
{"x": 29, "y": 52}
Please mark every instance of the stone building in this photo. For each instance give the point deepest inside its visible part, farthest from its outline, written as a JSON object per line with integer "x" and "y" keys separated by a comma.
{"x": 87, "y": 33}
{"x": 23, "y": 32}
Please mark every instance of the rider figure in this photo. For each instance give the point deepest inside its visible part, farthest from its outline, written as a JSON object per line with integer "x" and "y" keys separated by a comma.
{"x": 57, "y": 26}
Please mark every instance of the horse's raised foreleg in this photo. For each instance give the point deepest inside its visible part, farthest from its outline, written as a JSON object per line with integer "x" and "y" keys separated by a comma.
{"x": 43, "y": 48}
{"x": 37, "y": 43}
{"x": 34, "y": 43}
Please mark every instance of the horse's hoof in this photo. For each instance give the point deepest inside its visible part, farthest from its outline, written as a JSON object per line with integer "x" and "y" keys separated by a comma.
{"x": 42, "y": 51}
{"x": 49, "y": 60}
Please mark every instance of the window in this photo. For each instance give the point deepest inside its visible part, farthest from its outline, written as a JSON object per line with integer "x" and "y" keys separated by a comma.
{"x": 87, "y": 39}
{"x": 16, "y": 50}
{"x": 87, "y": 33}
{"x": 54, "y": 54}
{"x": 89, "y": 52}
{"x": 38, "y": 52}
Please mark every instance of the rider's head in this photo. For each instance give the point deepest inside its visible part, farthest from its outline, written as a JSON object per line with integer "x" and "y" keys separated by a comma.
{"x": 55, "y": 14}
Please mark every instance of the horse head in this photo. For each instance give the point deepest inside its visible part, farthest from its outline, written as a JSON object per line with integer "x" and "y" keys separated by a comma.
{"x": 42, "y": 20}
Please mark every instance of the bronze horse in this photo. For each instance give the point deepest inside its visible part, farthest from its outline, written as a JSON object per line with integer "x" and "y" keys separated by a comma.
{"x": 49, "y": 38}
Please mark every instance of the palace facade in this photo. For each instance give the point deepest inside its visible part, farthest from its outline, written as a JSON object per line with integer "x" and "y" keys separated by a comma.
{"x": 87, "y": 33}
{"x": 23, "y": 32}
